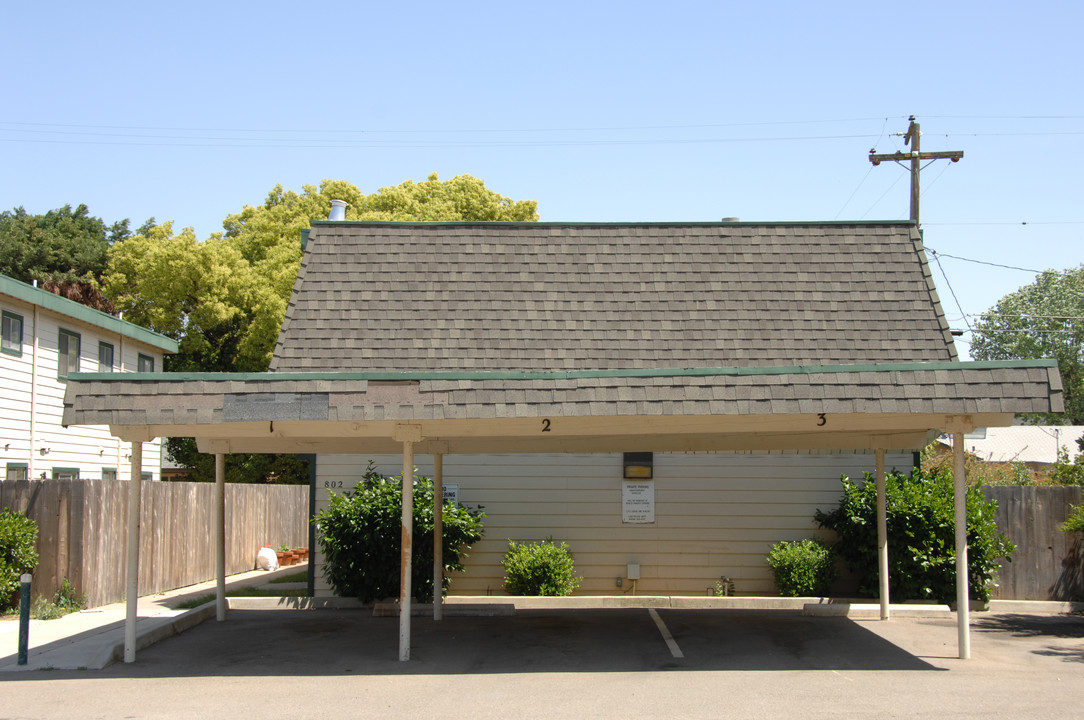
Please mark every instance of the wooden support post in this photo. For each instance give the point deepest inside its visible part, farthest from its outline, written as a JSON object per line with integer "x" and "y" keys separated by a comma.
{"x": 963, "y": 609}
{"x": 882, "y": 536}
{"x": 132, "y": 598}
{"x": 220, "y": 536}
{"x": 438, "y": 536}
{"x": 405, "y": 566}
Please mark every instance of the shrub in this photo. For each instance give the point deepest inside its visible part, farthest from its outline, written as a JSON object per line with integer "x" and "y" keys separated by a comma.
{"x": 542, "y": 568}
{"x": 1075, "y": 521}
{"x": 18, "y": 538}
{"x": 802, "y": 568}
{"x": 921, "y": 536}
{"x": 65, "y": 600}
{"x": 361, "y": 536}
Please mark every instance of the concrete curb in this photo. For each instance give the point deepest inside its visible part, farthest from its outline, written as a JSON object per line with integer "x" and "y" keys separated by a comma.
{"x": 872, "y": 611}
{"x": 157, "y": 632}
{"x": 1036, "y": 606}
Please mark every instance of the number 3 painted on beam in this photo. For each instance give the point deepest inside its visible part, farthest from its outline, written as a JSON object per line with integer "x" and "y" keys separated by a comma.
{"x": 822, "y": 420}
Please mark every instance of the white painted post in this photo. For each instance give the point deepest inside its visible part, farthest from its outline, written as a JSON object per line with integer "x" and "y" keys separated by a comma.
{"x": 882, "y": 535}
{"x": 438, "y": 536}
{"x": 132, "y": 599}
{"x": 220, "y": 536}
{"x": 963, "y": 609}
{"x": 405, "y": 564}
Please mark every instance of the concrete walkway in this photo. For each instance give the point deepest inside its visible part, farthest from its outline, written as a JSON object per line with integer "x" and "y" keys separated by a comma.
{"x": 94, "y": 639}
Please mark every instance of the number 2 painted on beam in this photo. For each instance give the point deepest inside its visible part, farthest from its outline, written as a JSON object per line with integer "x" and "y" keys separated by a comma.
{"x": 545, "y": 424}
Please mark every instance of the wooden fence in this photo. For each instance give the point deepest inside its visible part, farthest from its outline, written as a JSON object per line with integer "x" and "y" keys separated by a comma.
{"x": 1048, "y": 564}
{"x": 83, "y": 531}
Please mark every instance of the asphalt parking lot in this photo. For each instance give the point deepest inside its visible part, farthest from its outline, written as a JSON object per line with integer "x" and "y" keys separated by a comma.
{"x": 576, "y": 663}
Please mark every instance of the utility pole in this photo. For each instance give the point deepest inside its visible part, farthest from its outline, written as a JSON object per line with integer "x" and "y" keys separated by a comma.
{"x": 913, "y": 137}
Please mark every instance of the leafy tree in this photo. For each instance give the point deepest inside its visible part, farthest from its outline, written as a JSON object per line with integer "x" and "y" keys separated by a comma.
{"x": 64, "y": 250}
{"x": 205, "y": 295}
{"x": 224, "y": 299}
{"x": 1041, "y": 320}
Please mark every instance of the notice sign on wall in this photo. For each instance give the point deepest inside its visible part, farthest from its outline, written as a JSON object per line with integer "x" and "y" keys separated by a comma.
{"x": 638, "y": 502}
{"x": 451, "y": 492}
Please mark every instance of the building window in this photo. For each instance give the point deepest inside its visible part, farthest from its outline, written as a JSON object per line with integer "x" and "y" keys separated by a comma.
{"x": 68, "y": 350}
{"x": 146, "y": 363}
{"x": 109, "y": 473}
{"x": 16, "y": 471}
{"x": 147, "y": 476}
{"x": 12, "y": 342}
{"x": 65, "y": 473}
{"x": 105, "y": 357}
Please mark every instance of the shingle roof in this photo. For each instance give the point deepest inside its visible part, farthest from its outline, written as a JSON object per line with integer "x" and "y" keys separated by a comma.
{"x": 559, "y": 296}
{"x": 913, "y": 388}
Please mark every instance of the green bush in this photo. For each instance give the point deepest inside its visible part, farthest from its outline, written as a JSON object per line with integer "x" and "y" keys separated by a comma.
{"x": 921, "y": 536}
{"x": 1075, "y": 521}
{"x": 360, "y": 535}
{"x": 65, "y": 600}
{"x": 802, "y": 568}
{"x": 18, "y": 539}
{"x": 542, "y": 568}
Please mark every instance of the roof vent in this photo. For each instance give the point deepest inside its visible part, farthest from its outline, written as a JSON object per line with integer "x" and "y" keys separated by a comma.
{"x": 338, "y": 210}
{"x": 731, "y": 219}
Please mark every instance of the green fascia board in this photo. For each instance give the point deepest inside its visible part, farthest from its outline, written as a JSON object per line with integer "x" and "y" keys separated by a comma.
{"x": 562, "y": 374}
{"x": 70, "y": 308}
{"x": 505, "y": 223}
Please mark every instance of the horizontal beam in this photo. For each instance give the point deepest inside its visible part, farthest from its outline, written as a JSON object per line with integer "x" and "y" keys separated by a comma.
{"x": 309, "y": 433}
{"x": 909, "y": 440}
{"x": 953, "y": 155}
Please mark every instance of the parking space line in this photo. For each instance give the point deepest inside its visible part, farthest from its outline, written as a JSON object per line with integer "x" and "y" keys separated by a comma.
{"x": 670, "y": 642}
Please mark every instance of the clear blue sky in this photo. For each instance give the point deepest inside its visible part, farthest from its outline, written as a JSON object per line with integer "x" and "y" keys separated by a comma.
{"x": 600, "y": 111}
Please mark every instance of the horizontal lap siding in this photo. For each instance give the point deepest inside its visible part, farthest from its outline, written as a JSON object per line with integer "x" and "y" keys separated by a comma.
{"x": 715, "y": 514}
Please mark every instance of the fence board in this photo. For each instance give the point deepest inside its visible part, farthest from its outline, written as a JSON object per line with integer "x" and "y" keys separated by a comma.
{"x": 83, "y": 531}
{"x": 1047, "y": 564}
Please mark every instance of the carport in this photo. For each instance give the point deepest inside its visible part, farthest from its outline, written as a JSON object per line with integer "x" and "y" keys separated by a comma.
{"x": 872, "y": 407}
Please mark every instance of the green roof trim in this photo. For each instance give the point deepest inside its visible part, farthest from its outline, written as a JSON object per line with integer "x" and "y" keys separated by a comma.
{"x": 563, "y": 374}
{"x": 675, "y": 223}
{"x": 70, "y": 308}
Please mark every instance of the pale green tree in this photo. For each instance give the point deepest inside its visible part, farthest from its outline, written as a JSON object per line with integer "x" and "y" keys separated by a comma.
{"x": 224, "y": 299}
{"x": 1042, "y": 320}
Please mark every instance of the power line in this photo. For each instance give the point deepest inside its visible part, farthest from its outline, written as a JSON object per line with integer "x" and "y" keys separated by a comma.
{"x": 443, "y": 130}
{"x": 978, "y": 262}
{"x": 951, "y": 291}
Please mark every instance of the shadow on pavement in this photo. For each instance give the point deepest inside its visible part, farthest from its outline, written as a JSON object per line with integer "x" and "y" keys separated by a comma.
{"x": 345, "y": 642}
{"x": 1039, "y": 626}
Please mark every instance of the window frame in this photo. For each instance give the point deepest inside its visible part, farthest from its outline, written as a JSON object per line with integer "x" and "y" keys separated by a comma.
{"x": 141, "y": 359}
{"x": 112, "y": 470}
{"x": 63, "y": 356}
{"x": 74, "y": 472}
{"x": 6, "y": 344}
{"x": 16, "y": 466}
{"x": 102, "y": 345}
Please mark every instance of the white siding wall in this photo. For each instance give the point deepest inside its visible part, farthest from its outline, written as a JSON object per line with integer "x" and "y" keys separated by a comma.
{"x": 88, "y": 448}
{"x": 715, "y": 514}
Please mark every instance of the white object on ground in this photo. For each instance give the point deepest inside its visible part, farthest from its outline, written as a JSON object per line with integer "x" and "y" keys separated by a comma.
{"x": 267, "y": 559}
